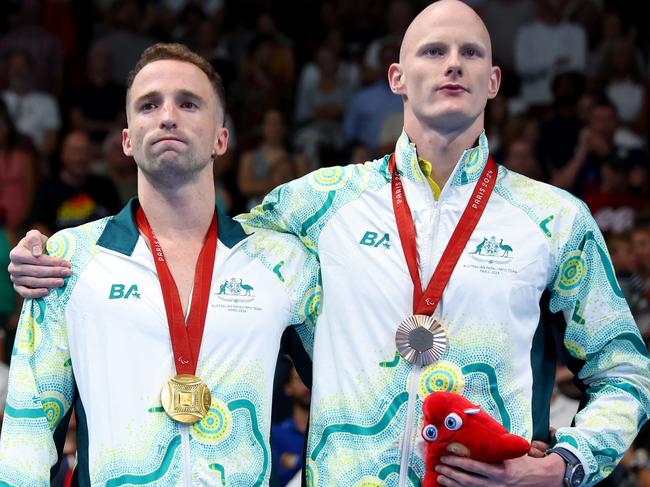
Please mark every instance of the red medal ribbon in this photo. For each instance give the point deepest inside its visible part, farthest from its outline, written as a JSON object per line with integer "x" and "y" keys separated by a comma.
{"x": 425, "y": 303}
{"x": 186, "y": 340}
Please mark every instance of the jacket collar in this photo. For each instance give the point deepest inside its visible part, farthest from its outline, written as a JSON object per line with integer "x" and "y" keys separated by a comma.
{"x": 467, "y": 170}
{"x": 121, "y": 232}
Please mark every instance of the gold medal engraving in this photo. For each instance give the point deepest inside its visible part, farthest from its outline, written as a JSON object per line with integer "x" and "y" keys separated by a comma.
{"x": 185, "y": 398}
{"x": 420, "y": 340}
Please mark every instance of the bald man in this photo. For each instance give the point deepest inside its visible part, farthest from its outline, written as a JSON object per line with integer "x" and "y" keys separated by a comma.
{"x": 385, "y": 339}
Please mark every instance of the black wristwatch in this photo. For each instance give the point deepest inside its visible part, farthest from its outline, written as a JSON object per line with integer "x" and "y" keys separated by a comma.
{"x": 575, "y": 472}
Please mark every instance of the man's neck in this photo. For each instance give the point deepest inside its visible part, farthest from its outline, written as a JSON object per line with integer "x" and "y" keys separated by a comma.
{"x": 442, "y": 149}
{"x": 182, "y": 212}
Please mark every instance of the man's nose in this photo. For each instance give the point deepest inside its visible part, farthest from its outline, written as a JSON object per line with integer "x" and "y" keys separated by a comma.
{"x": 168, "y": 116}
{"x": 454, "y": 66}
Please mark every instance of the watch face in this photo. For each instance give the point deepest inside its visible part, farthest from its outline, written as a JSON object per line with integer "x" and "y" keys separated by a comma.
{"x": 576, "y": 475}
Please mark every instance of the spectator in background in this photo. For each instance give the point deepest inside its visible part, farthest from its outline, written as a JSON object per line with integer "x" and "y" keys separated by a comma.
{"x": 639, "y": 179}
{"x": 596, "y": 144}
{"x": 399, "y": 15}
{"x": 546, "y": 47}
{"x": 270, "y": 163}
{"x": 282, "y": 62}
{"x": 97, "y": 106}
{"x": 370, "y": 108}
{"x": 18, "y": 177}
{"x": 620, "y": 78}
{"x": 259, "y": 89}
{"x": 559, "y": 134}
{"x": 188, "y": 22}
{"x": 356, "y": 152}
{"x": 319, "y": 110}
{"x": 288, "y": 437}
{"x": 496, "y": 121}
{"x": 612, "y": 205}
{"x": 209, "y": 44}
{"x": 520, "y": 157}
{"x": 348, "y": 73}
{"x": 125, "y": 41}
{"x": 612, "y": 35}
{"x": 36, "y": 114}
{"x": 503, "y": 18}
{"x": 621, "y": 249}
{"x": 74, "y": 196}
{"x": 44, "y": 49}
{"x": 121, "y": 168}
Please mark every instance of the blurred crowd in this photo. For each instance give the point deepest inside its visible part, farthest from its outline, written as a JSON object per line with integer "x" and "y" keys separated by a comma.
{"x": 306, "y": 87}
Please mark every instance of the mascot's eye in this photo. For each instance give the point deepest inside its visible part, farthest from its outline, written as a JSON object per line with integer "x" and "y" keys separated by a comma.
{"x": 429, "y": 432}
{"x": 453, "y": 422}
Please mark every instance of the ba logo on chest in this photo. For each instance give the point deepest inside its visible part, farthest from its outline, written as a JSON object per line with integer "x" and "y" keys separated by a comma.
{"x": 121, "y": 291}
{"x": 374, "y": 239}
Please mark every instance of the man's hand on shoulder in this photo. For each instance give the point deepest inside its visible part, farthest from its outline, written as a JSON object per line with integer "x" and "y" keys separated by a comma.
{"x": 525, "y": 471}
{"x": 32, "y": 271}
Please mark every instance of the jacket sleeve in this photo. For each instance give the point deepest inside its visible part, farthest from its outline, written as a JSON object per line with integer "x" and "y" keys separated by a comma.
{"x": 301, "y": 207}
{"x": 606, "y": 351}
{"x": 41, "y": 390}
{"x": 301, "y": 274}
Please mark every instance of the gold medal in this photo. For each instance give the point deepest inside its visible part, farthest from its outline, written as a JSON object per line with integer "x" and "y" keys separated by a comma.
{"x": 420, "y": 340}
{"x": 185, "y": 398}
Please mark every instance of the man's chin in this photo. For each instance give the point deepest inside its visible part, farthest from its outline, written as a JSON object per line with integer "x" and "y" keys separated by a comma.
{"x": 450, "y": 120}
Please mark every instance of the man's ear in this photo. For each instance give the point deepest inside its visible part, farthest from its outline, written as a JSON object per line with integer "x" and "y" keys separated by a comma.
{"x": 495, "y": 82}
{"x": 221, "y": 142}
{"x": 126, "y": 143}
{"x": 396, "y": 79}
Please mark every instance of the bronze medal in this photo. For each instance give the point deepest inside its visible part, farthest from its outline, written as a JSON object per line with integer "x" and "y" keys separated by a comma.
{"x": 420, "y": 340}
{"x": 185, "y": 398}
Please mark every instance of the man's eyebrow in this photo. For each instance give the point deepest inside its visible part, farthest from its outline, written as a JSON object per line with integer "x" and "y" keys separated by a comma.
{"x": 147, "y": 96}
{"x": 156, "y": 94}
{"x": 474, "y": 45}
{"x": 190, "y": 94}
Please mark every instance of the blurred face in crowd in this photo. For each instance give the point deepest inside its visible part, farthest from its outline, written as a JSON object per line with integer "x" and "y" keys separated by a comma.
{"x": 114, "y": 155}
{"x": 400, "y": 15}
{"x": 521, "y": 159}
{"x": 613, "y": 177}
{"x": 327, "y": 62}
{"x": 603, "y": 121}
{"x": 623, "y": 60}
{"x": 76, "y": 154}
{"x": 175, "y": 122}
{"x": 585, "y": 105}
{"x": 550, "y": 9}
{"x": 273, "y": 130}
{"x": 99, "y": 63}
{"x": 621, "y": 251}
{"x": 445, "y": 74}
{"x": 19, "y": 72}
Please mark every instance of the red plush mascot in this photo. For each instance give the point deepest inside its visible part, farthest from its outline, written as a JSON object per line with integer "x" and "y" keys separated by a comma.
{"x": 454, "y": 425}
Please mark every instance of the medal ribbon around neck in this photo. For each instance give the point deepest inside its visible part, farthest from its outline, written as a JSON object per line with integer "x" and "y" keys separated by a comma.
{"x": 186, "y": 340}
{"x": 421, "y": 340}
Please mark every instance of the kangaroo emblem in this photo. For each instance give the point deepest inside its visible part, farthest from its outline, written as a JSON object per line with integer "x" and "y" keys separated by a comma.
{"x": 479, "y": 247}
